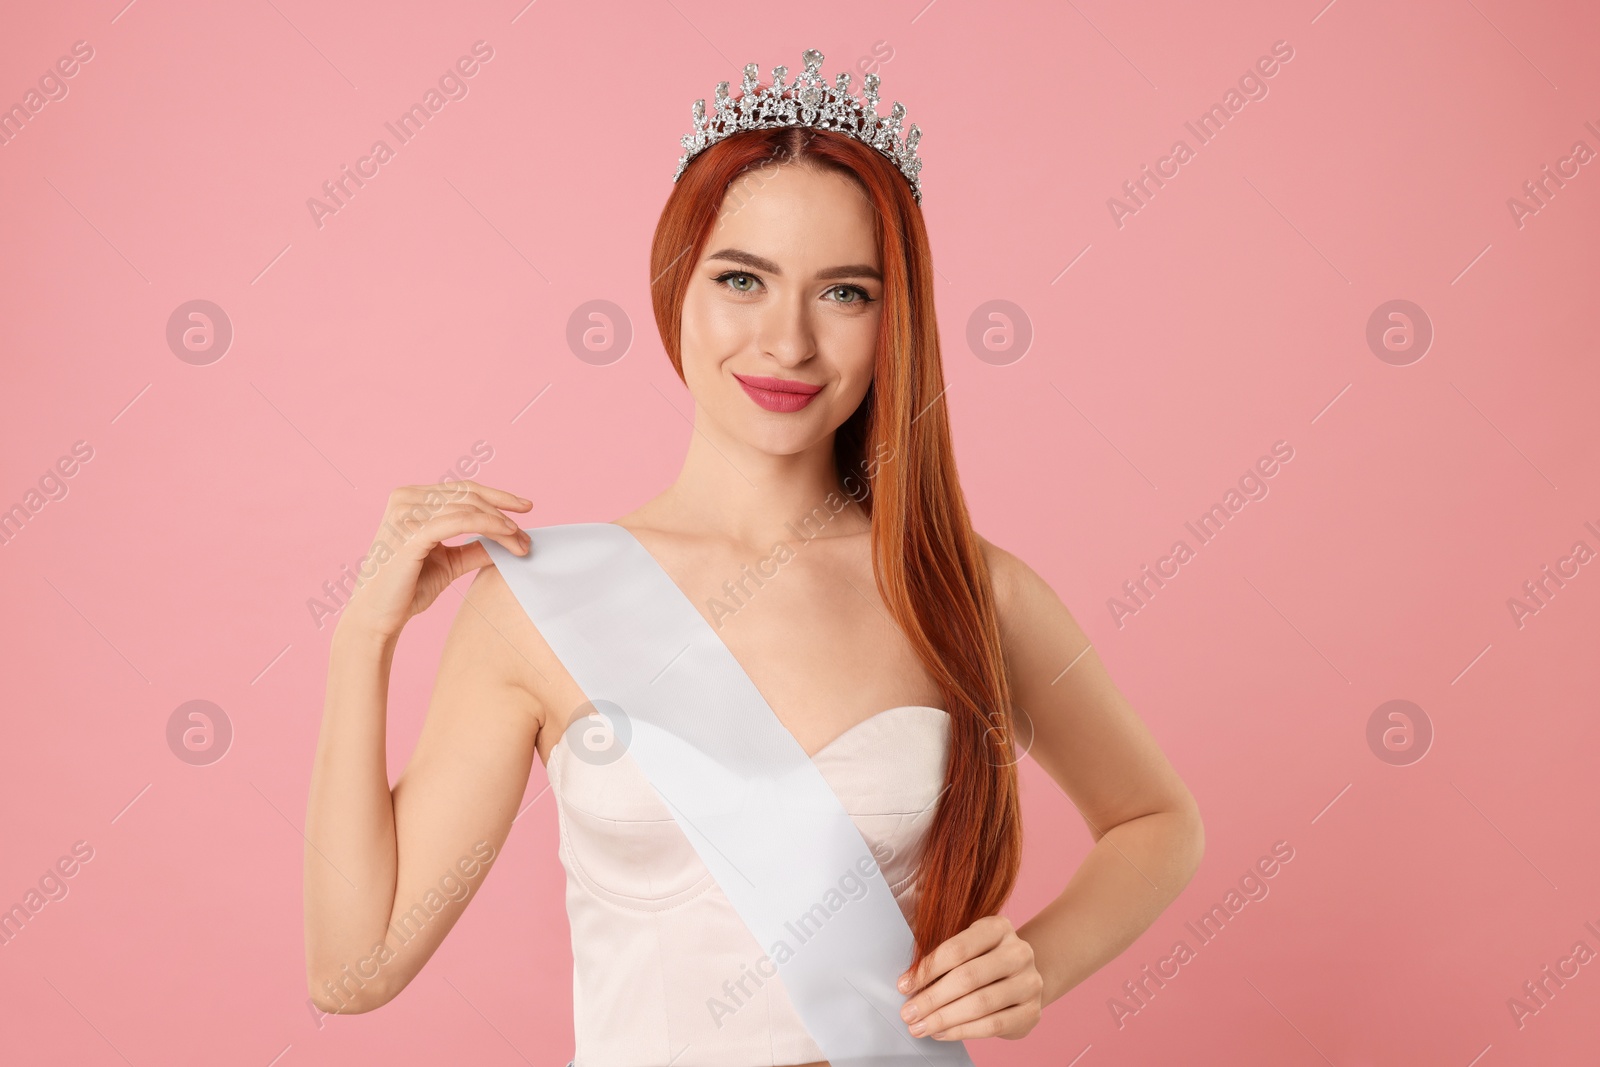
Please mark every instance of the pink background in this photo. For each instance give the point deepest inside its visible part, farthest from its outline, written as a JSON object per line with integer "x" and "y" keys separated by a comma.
{"x": 1228, "y": 313}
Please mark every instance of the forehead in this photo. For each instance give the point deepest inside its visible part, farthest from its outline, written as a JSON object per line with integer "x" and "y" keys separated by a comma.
{"x": 797, "y": 215}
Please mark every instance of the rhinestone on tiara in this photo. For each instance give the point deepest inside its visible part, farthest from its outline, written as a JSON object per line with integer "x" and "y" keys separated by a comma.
{"x": 807, "y": 101}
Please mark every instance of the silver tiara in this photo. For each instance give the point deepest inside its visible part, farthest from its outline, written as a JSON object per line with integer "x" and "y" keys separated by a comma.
{"x": 807, "y": 101}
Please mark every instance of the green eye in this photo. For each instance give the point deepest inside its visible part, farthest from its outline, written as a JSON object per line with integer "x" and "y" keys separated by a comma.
{"x": 854, "y": 294}
{"x": 733, "y": 279}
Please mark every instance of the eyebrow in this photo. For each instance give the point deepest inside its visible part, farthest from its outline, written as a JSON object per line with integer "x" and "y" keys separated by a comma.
{"x": 750, "y": 259}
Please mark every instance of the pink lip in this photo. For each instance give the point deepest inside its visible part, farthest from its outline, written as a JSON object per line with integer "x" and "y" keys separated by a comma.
{"x": 778, "y": 394}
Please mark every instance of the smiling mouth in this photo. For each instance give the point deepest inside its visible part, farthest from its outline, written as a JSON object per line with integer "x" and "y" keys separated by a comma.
{"x": 777, "y": 394}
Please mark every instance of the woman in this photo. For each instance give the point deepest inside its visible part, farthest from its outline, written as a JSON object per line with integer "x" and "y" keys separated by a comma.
{"x": 817, "y": 524}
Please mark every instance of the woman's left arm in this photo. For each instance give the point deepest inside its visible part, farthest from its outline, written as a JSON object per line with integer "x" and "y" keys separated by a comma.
{"x": 991, "y": 980}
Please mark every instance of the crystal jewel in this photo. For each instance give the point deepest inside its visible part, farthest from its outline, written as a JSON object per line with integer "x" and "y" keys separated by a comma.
{"x": 806, "y": 101}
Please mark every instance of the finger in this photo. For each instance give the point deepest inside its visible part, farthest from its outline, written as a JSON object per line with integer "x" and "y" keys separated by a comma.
{"x": 471, "y": 520}
{"x": 974, "y": 974}
{"x": 1014, "y": 1021}
{"x": 435, "y": 530}
{"x": 501, "y": 498}
{"x": 410, "y": 518}
{"x": 975, "y": 940}
{"x": 424, "y": 500}
{"x": 476, "y": 502}
{"x": 985, "y": 999}
{"x": 492, "y": 523}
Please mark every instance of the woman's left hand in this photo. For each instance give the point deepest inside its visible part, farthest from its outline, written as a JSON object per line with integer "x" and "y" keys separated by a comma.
{"x": 979, "y": 983}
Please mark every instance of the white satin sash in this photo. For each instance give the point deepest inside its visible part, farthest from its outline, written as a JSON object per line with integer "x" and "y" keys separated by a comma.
{"x": 759, "y": 814}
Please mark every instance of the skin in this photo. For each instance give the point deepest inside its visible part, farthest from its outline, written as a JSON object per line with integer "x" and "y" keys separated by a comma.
{"x": 787, "y": 287}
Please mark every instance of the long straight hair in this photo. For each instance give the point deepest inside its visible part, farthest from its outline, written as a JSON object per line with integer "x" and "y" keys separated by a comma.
{"x": 926, "y": 559}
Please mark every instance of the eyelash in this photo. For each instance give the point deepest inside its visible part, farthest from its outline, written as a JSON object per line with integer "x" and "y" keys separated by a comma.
{"x": 862, "y": 296}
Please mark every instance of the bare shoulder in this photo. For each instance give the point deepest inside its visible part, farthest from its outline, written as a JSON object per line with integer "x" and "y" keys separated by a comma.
{"x": 1023, "y": 599}
{"x": 1013, "y": 580}
{"x": 493, "y": 637}
{"x": 1007, "y": 572}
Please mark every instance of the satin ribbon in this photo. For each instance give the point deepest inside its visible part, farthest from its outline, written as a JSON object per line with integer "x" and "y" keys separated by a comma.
{"x": 758, "y": 812}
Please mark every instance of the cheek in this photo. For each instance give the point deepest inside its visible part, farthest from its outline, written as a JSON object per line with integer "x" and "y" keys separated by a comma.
{"x": 708, "y": 336}
{"x": 710, "y": 328}
{"x": 854, "y": 343}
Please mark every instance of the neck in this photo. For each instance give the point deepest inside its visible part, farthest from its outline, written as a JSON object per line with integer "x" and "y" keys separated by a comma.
{"x": 754, "y": 498}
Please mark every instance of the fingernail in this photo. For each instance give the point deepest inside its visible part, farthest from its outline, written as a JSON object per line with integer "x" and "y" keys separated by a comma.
{"x": 905, "y": 983}
{"x": 909, "y": 1013}
{"x": 918, "y": 1028}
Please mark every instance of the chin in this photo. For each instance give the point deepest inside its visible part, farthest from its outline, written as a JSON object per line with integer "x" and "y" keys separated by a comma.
{"x": 780, "y": 440}
{"x": 782, "y": 444}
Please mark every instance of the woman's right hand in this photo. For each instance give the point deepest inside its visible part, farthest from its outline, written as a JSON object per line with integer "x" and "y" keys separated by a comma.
{"x": 418, "y": 568}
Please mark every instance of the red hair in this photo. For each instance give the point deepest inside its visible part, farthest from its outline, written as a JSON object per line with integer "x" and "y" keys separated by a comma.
{"x": 929, "y": 565}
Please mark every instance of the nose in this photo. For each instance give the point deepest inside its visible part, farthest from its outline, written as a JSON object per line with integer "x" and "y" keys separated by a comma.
{"x": 786, "y": 333}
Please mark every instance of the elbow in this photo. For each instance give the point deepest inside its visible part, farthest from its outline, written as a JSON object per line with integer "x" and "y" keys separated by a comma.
{"x": 1193, "y": 838}
{"x": 343, "y": 993}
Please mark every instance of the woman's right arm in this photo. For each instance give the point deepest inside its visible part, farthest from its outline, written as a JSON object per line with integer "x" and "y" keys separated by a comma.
{"x": 389, "y": 871}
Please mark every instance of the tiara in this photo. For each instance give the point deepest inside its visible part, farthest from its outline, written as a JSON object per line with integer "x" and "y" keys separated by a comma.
{"x": 807, "y": 101}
